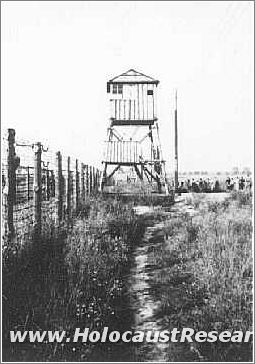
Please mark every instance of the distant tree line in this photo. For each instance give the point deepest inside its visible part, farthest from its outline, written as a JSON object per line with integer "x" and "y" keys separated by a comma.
{"x": 235, "y": 171}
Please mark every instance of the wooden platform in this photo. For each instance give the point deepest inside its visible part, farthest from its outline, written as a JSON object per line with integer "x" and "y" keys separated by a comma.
{"x": 123, "y": 122}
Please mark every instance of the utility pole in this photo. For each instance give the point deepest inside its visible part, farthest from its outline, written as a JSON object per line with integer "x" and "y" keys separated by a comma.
{"x": 176, "y": 145}
{"x": 11, "y": 180}
{"x": 38, "y": 190}
{"x": 59, "y": 187}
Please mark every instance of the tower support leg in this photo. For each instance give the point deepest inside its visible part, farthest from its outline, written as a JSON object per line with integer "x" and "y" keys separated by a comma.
{"x": 159, "y": 185}
{"x": 103, "y": 178}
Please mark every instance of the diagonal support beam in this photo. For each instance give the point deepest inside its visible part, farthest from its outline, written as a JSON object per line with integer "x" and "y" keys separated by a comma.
{"x": 115, "y": 170}
{"x": 118, "y": 137}
{"x": 152, "y": 176}
{"x": 157, "y": 179}
{"x": 145, "y": 172}
{"x": 146, "y": 136}
{"x": 138, "y": 172}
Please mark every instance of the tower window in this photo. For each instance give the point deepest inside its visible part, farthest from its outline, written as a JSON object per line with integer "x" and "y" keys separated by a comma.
{"x": 120, "y": 88}
{"x": 114, "y": 88}
{"x": 117, "y": 88}
{"x": 150, "y": 92}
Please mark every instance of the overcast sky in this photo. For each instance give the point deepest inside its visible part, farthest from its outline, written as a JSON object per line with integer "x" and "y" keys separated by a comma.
{"x": 58, "y": 56}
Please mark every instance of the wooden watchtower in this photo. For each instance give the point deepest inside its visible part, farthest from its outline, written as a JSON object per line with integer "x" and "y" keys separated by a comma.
{"x": 133, "y": 135}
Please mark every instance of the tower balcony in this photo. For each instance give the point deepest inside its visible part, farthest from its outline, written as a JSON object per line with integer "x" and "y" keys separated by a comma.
{"x": 128, "y": 152}
{"x": 131, "y": 112}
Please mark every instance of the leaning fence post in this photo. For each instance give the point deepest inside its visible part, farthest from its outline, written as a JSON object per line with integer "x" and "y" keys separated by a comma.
{"x": 59, "y": 188}
{"x": 38, "y": 189}
{"x": 11, "y": 161}
{"x": 68, "y": 207}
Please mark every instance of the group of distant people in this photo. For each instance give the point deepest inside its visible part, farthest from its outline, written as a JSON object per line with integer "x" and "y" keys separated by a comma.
{"x": 215, "y": 185}
{"x": 238, "y": 183}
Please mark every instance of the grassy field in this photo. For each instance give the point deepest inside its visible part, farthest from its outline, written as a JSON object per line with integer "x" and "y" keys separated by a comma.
{"x": 206, "y": 278}
{"x": 78, "y": 278}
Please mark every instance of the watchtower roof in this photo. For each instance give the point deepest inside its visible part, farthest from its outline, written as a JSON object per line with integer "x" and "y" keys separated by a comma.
{"x": 132, "y": 76}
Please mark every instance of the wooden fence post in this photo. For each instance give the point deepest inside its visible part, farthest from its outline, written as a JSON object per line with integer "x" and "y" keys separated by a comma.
{"x": 82, "y": 184}
{"x": 77, "y": 185}
{"x": 97, "y": 180}
{"x": 68, "y": 208}
{"x": 28, "y": 184}
{"x": 38, "y": 189}
{"x": 91, "y": 179}
{"x": 94, "y": 178}
{"x": 87, "y": 180}
{"x": 59, "y": 187}
{"x": 11, "y": 180}
{"x": 47, "y": 183}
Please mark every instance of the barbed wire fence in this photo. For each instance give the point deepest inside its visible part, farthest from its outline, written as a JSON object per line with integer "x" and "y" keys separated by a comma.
{"x": 41, "y": 189}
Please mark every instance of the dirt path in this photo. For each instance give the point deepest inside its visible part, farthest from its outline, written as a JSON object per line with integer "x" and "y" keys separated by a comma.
{"x": 144, "y": 302}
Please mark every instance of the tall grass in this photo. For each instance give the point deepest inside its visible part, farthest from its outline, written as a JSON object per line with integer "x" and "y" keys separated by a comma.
{"x": 208, "y": 272}
{"x": 73, "y": 280}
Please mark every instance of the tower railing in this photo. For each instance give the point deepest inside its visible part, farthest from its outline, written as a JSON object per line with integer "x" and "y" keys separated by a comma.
{"x": 122, "y": 151}
{"x": 131, "y": 110}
